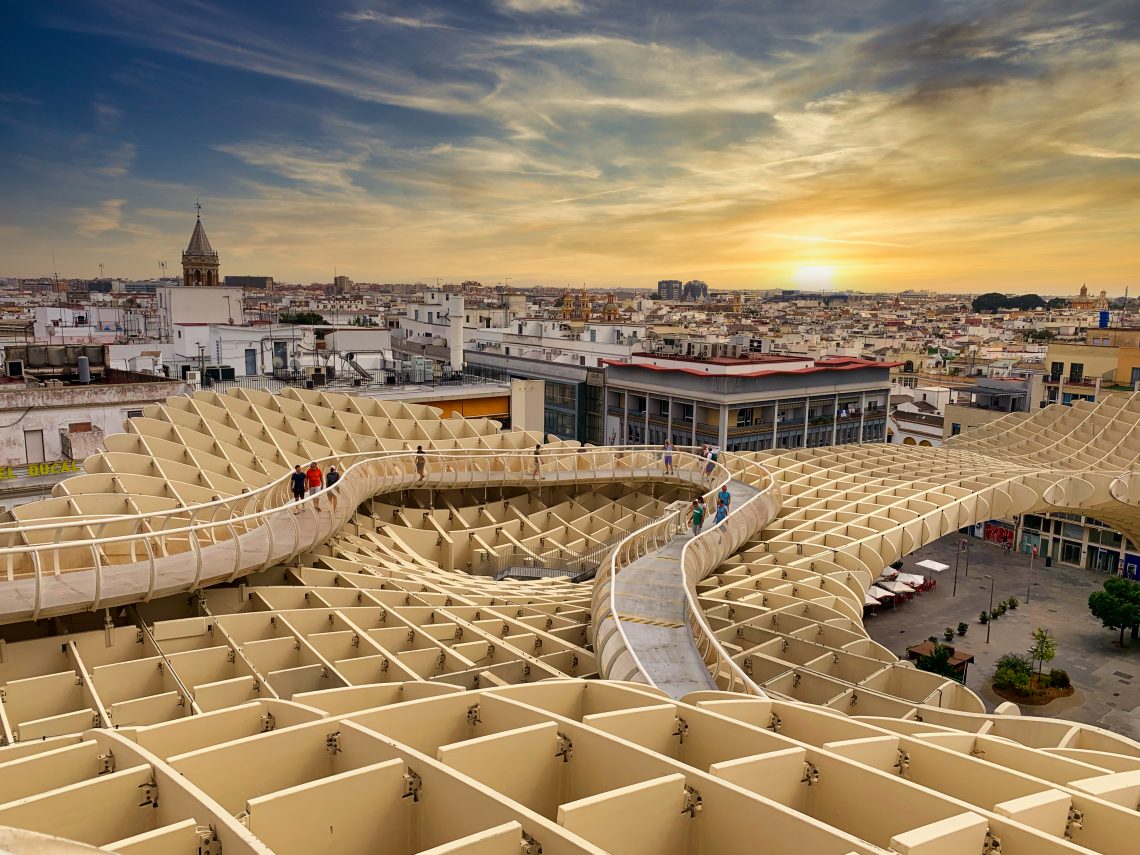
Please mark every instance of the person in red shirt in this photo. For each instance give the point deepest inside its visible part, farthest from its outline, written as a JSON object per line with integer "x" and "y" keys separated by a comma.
{"x": 315, "y": 478}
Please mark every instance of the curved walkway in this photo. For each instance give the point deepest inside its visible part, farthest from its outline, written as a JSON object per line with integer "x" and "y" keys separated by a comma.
{"x": 651, "y": 604}
{"x": 166, "y": 561}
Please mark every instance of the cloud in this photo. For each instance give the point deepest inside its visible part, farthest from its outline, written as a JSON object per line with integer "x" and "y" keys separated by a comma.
{"x": 106, "y": 114}
{"x": 118, "y": 159}
{"x": 892, "y": 140}
{"x": 92, "y": 222}
{"x": 530, "y": 7}
{"x": 373, "y": 17}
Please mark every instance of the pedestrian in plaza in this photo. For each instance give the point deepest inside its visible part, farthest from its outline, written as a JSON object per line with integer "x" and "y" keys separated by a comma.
{"x": 331, "y": 477}
{"x": 297, "y": 482}
{"x": 315, "y": 480}
{"x": 710, "y": 455}
{"x": 724, "y": 497}
{"x": 697, "y": 516}
{"x": 421, "y": 463}
{"x": 668, "y": 449}
{"x": 537, "y": 473}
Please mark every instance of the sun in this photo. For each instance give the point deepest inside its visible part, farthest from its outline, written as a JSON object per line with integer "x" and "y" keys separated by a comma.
{"x": 815, "y": 276}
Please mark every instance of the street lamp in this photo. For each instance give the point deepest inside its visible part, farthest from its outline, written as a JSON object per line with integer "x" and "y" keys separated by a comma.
{"x": 963, "y": 546}
{"x": 1029, "y": 575}
{"x": 990, "y": 613}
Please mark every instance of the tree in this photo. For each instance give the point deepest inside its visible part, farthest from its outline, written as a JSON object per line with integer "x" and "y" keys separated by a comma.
{"x": 994, "y": 302}
{"x": 1013, "y": 672}
{"x": 1117, "y": 606}
{"x": 938, "y": 661}
{"x": 1043, "y": 648}
{"x": 307, "y": 318}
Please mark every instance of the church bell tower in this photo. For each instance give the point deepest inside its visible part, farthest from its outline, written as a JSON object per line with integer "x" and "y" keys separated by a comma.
{"x": 199, "y": 261}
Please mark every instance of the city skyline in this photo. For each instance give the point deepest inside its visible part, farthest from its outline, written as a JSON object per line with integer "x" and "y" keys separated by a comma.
{"x": 959, "y": 146}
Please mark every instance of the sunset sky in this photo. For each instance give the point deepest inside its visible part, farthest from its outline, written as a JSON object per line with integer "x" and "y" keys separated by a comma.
{"x": 968, "y": 146}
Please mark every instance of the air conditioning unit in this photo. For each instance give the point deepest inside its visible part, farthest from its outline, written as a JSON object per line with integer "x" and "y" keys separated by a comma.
{"x": 15, "y": 368}
{"x": 194, "y": 377}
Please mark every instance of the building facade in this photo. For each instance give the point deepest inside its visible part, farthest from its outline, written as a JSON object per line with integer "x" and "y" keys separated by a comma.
{"x": 746, "y": 404}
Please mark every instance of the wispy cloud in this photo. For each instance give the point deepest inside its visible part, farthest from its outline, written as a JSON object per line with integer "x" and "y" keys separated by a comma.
{"x": 565, "y": 7}
{"x": 91, "y": 222}
{"x": 373, "y": 17}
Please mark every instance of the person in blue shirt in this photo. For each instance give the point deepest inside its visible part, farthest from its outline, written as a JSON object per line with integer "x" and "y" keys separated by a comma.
{"x": 725, "y": 496}
{"x": 721, "y": 511}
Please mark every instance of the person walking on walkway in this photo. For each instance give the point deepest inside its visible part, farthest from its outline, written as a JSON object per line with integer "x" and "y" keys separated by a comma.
{"x": 297, "y": 483}
{"x": 537, "y": 473}
{"x": 721, "y": 512}
{"x": 710, "y": 454}
{"x": 421, "y": 463}
{"x": 725, "y": 497}
{"x": 697, "y": 516}
{"x": 315, "y": 479}
{"x": 668, "y": 449}
{"x": 331, "y": 477}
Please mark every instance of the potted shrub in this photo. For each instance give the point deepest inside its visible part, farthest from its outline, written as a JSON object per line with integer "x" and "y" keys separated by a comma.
{"x": 1001, "y": 607}
{"x": 948, "y": 633}
{"x": 962, "y": 627}
{"x": 994, "y": 614}
{"x": 984, "y": 618}
{"x": 1012, "y": 602}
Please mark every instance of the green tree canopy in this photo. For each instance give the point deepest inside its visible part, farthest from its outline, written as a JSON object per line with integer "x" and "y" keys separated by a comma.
{"x": 1043, "y": 648}
{"x": 938, "y": 662}
{"x": 307, "y": 318}
{"x": 995, "y": 302}
{"x": 1117, "y": 606}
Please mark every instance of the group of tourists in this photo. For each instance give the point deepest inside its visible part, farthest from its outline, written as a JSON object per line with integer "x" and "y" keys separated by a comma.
{"x": 311, "y": 481}
{"x": 698, "y": 512}
{"x": 708, "y": 453}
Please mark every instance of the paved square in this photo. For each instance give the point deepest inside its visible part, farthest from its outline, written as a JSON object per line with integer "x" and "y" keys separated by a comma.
{"x": 1106, "y": 694}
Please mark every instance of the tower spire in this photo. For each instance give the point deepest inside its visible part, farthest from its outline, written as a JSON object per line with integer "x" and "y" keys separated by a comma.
{"x": 198, "y": 207}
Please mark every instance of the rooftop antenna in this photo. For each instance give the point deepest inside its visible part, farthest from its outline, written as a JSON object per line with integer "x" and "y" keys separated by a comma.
{"x": 162, "y": 267}
{"x": 100, "y": 269}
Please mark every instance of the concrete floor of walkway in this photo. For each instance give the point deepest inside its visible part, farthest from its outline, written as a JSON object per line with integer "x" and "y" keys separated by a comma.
{"x": 1106, "y": 677}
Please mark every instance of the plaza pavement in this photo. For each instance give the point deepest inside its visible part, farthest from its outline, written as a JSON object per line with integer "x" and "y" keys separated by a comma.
{"x": 1106, "y": 678}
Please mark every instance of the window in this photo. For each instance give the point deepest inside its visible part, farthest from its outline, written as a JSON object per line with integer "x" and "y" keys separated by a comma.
{"x": 133, "y": 414}
{"x": 744, "y": 417}
{"x": 1056, "y": 370}
{"x": 560, "y": 424}
{"x": 1076, "y": 371}
{"x": 34, "y": 446}
{"x": 955, "y": 429}
{"x": 1135, "y": 376}
{"x": 560, "y": 394}
{"x": 663, "y": 408}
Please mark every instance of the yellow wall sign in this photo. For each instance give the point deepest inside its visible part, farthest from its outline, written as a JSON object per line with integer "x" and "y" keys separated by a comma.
{"x": 38, "y": 470}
